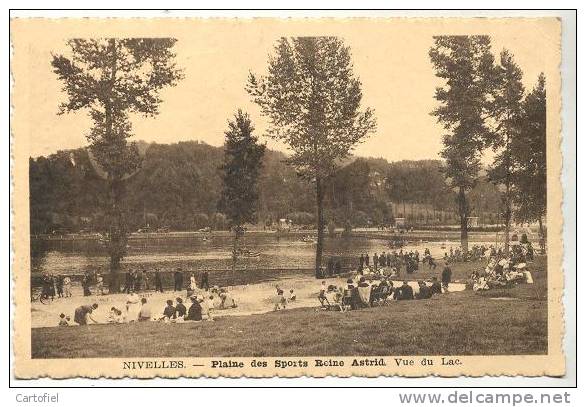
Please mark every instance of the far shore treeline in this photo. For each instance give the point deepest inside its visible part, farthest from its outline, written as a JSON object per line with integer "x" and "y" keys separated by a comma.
{"x": 178, "y": 187}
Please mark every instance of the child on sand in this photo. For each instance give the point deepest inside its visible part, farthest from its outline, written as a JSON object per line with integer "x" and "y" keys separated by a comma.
{"x": 115, "y": 316}
{"x": 280, "y": 300}
{"x": 63, "y": 321}
{"x": 292, "y": 295}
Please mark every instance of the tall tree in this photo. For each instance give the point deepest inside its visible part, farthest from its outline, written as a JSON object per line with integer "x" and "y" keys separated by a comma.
{"x": 465, "y": 63}
{"x": 111, "y": 78}
{"x": 506, "y": 111}
{"x": 240, "y": 172}
{"x": 529, "y": 154}
{"x": 312, "y": 99}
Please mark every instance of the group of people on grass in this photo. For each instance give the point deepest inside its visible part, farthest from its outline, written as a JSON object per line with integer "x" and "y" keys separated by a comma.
{"x": 281, "y": 300}
{"x": 362, "y": 292}
{"x": 137, "y": 308}
{"x": 502, "y": 271}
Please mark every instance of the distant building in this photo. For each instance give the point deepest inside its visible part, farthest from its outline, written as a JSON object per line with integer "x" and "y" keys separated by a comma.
{"x": 400, "y": 222}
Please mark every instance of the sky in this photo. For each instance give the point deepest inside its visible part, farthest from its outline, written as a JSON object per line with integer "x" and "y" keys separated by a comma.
{"x": 390, "y": 56}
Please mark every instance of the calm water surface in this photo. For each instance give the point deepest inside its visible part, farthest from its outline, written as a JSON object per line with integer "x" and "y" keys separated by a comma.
{"x": 195, "y": 253}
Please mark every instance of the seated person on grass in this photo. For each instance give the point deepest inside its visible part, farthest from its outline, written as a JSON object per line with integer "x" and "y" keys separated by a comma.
{"x": 436, "y": 287}
{"x": 169, "y": 311}
{"x": 84, "y": 313}
{"x": 145, "y": 312}
{"x": 424, "y": 291}
{"x": 292, "y": 295}
{"x": 405, "y": 292}
{"x": 206, "y": 310}
{"x": 194, "y": 313}
{"x": 180, "y": 309}
{"x": 115, "y": 316}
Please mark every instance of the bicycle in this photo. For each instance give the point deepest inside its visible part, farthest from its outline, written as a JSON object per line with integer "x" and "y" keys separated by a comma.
{"x": 38, "y": 295}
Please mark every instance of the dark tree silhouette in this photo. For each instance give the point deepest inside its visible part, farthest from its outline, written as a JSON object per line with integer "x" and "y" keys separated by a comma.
{"x": 466, "y": 65}
{"x": 506, "y": 111}
{"x": 240, "y": 172}
{"x": 529, "y": 154}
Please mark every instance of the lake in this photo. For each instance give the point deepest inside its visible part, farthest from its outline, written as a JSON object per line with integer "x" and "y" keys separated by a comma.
{"x": 214, "y": 253}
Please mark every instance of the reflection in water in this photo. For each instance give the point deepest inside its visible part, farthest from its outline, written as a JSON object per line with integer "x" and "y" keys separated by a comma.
{"x": 76, "y": 257}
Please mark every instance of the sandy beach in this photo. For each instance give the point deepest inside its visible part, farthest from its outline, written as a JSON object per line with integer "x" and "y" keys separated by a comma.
{"x": 250, "y": 298}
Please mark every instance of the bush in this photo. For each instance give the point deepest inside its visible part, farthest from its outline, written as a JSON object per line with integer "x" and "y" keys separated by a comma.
{"x": 219, "y": 221}
{"x": 200, "y": 221}
{"x": 359, "y": 219}
{"x": 301, "y": 218}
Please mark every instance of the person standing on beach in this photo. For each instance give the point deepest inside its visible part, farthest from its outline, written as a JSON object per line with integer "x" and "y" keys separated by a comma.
{"x": 85, "y": 283}
{"x": 66, "y": 286}
{"x": 204, "y": 282}
{"x": 99, "y": 284}
{"x": 178, "y": 280}
{"x": 145, "y": 279}
{"x": 137, "y": 281}
{"x": 192, "y": 282}
{"x": 366, "y": 260}
{"x": 158, "y": 281}
{"x": 446, "y": 277}
{"x": 59, "y": 285}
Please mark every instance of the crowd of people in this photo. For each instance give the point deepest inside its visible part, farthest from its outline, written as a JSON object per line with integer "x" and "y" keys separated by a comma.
{"x": 503, "y": 270}
{"x": 137, "y": 281}
{"x": 360, "y": 292}
{"x": 137, "y": 308}
{"x": 393, "y": 262}
{"x": 374, "y": 282}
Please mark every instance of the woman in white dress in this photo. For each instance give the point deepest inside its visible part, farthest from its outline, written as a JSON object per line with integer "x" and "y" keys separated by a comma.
{"x": 132, "y": 307}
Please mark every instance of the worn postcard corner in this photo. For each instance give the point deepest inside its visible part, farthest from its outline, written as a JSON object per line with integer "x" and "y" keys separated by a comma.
{"x": 287, "y": 197}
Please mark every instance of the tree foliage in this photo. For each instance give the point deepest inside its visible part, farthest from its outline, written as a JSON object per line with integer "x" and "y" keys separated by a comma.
{"x": 465, "y": 64}
{"x": 312, "y": 100}
{"x": 506, "y": 112}
{"x": 243, "y": 158}
{"x": 111, "y": 78}
{"x": 528, "y": 151}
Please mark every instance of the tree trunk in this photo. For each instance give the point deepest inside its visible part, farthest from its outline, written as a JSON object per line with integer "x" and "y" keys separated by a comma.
{"x": 463, "y": 212}
{"x": 541, "y": 236}
{"x": 235, "y": 251}
{"x": 507, "y": 218}
{"x": 320, "y": 226}
{"x": 117, "y": 236}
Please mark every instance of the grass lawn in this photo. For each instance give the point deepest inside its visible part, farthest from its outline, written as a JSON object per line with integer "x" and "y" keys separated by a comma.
{"x": 505, "y": 321}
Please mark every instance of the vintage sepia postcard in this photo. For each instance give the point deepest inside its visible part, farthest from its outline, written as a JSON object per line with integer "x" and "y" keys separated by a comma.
{"x": 286, "y": 197}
